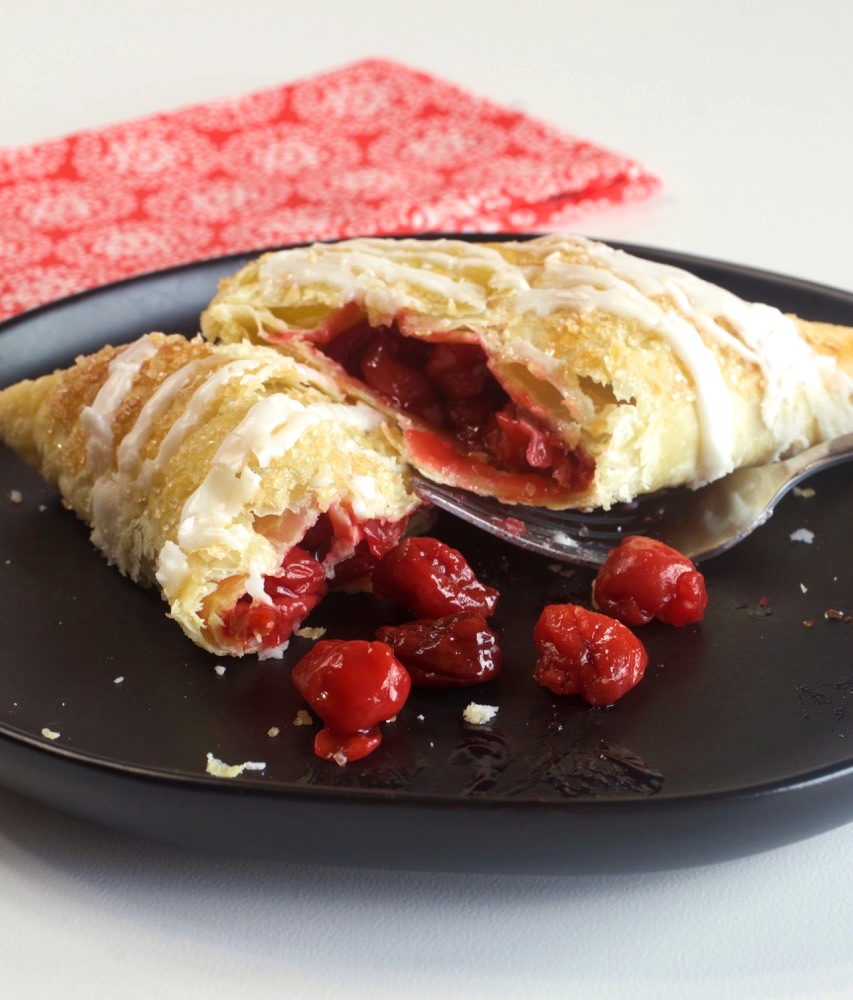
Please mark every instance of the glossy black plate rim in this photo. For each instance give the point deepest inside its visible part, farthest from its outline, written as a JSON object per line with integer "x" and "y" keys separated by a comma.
{"x": 470, "y": 835}
{"x": 690, "y": 829}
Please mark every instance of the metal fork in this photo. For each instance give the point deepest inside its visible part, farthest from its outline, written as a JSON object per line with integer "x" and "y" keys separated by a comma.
{"x": 698, "y": 523}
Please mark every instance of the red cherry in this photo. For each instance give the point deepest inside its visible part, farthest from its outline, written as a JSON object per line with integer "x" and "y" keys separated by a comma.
{"x": 582, "y": 652}
{"x": 644, "y": 579}
{"x": 431, "y": 580}
{"x": 343, "y": 748}
{"x": 352, "y": 685}
{"x": 455, "y": 651}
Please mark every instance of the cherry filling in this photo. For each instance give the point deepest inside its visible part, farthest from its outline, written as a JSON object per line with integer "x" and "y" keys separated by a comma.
{"x": 302, "y": 580}
{"x": 450, "y": 387}
{"x": 294, "y": 592}
{"x": 371, "y": 540}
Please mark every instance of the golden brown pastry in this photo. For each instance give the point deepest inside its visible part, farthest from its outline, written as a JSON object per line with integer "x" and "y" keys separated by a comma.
{"x": 236, "y": 479}
{"x": 555, "y": 371}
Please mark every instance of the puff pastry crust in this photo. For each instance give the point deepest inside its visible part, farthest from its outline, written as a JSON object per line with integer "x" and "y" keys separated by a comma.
{"x": 600, "y": 376}
{"x": 206, "y": 469}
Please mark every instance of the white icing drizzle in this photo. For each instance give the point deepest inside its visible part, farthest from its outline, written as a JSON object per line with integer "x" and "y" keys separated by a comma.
{"x": 757, "y": 332}
{"x": 378, "y": 273}
{"x": 268, "y": 431}
{"x": 582, "y": 288}
{"x": 97, "y": 419}
{"x": 155, "y": 406}
{"x": 211, "y": 516}
{"x": 206, "y": 394}
{"x": 115, "y": 491}
{"x": 364, "y": 491}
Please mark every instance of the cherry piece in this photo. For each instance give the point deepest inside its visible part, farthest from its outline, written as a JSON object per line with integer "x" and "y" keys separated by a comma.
{"x": 383, "y": 370}
{"x": 347, "y": 346}
{"x": 644, "y": 579}
{"x": 378, "y": 537}
{"x": 458, "y": 371}
{"x": 300, "y": 583}
{"x": 517, "y": 442}
{"x": 344, "y": 747}
{"x": 455, "y": 651}
{"x": 586, "y": 653}
{"x": 431, "y": 580}
{"x": 352, "y": 685}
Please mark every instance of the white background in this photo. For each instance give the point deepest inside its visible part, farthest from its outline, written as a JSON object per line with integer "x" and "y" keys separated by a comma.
{"x": 746, "y": 109}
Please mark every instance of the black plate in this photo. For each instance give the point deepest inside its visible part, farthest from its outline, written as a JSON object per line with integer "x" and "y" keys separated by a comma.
{"x": 736, "y": 741}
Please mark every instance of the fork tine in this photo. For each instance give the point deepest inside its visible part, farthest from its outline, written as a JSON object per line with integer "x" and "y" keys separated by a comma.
{"x": 542, "y": 531}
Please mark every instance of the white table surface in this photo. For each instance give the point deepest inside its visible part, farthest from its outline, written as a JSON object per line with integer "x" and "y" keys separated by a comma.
{"x": 746, "y": 108}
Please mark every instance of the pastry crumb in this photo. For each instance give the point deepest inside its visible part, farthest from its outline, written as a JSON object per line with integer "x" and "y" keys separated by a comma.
{"x": 219, "y": 669}
{"x": 303, "y": 718}
{"x": 219, "y": 769}
{"x": 803, "y": 491}
{"x": 273, "y": 731}
{"x": 560, "y": 569}
{"x": 802, "y": 535}
{"x": 479, "y": 715}
{"x": 50, "y": 734}
{"x": 311, "y": 633}
{"x": 804, "y": 588}
{"x": 118, "y": 680}
{"x": 16, "y": 496}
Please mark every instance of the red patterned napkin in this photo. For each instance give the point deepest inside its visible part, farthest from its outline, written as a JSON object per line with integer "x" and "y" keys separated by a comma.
{"x": 373, "y": 148}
